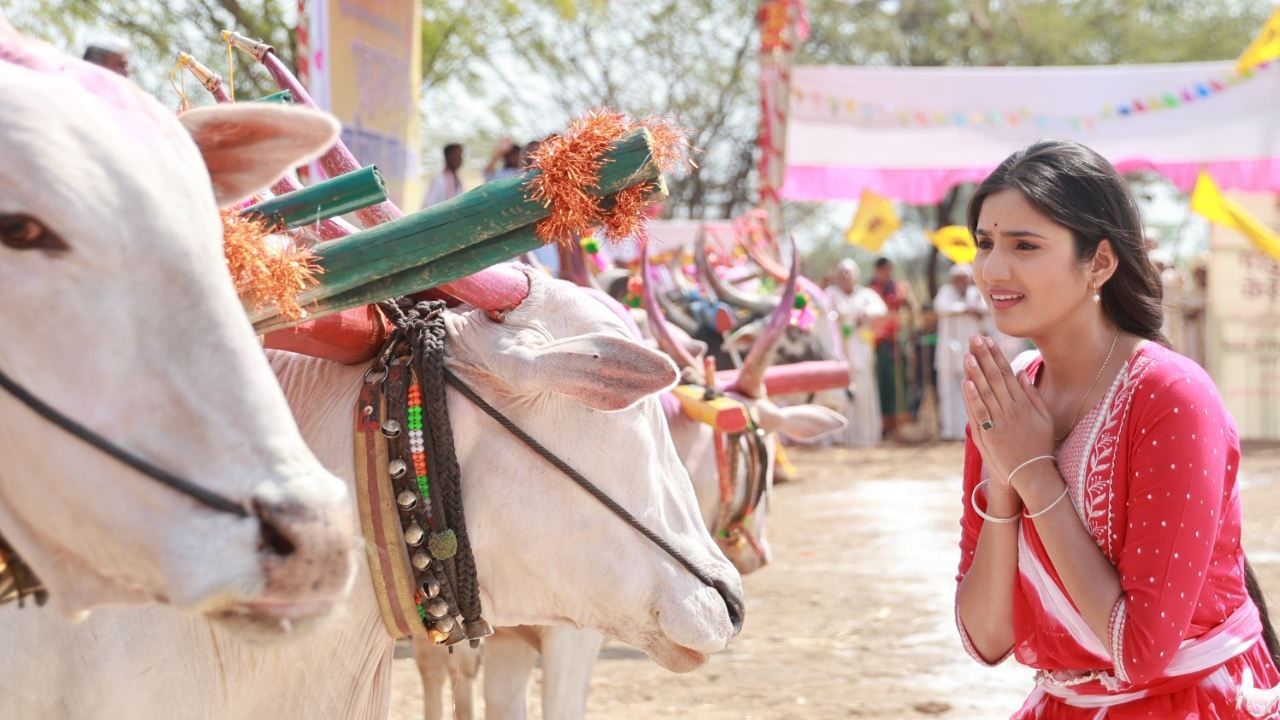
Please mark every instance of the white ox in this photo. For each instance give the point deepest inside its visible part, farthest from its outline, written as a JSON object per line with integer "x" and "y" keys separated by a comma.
{"x": 569, "y": 654}
{"x": 119, "y": 313}
{"x": 558, "y": 365}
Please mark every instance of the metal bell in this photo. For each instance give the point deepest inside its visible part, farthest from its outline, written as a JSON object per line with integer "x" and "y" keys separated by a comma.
{"x": 420, "y": 560}
{"x": 407, "y": 500}
{"x": 431, "y": 588}
{"x": 396, "y": 468}
{"x": 413, "y": 534}
{"x": 437, "y": 608}
{"x": 437, "y": 637}
{"x": 391, "y": 428}
{"x": 444, "y": 624}
{"x": 478, "y": 628}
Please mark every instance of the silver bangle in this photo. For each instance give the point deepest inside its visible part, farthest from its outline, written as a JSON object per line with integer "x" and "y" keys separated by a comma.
{"x": 1034, "y": 459}
{"x": 973, "y": 500}
{"x": 1049, "y": 507}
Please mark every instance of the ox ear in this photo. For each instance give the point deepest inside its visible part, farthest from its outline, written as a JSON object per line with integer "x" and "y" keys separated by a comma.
{"x": 246, "y": 147}
{"x": 799, "y": 422}
{"x": 602, "y": 371}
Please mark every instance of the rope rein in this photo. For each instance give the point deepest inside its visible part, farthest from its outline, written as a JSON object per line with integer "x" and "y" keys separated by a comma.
{"x": 734, "y": 605}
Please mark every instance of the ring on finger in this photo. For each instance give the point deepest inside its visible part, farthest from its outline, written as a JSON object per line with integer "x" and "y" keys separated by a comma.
{"x": 986, "y": 425}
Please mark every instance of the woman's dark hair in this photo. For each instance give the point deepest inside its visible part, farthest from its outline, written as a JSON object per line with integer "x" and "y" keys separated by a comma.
{"x": 1078, "y": 189}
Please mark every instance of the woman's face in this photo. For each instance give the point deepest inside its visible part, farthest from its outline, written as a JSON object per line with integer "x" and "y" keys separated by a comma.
{"x": 1026, "y": 267}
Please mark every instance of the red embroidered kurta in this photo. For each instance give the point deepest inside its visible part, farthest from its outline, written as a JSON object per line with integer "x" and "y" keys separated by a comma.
{"x": 1152, "y": 474}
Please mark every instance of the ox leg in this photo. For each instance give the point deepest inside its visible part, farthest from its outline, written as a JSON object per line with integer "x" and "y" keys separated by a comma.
{"x": 568, "y": 658}
{"x": 433, "y": 666}
{"x": 510, "y": 655}
{"x": 465, "y": 666}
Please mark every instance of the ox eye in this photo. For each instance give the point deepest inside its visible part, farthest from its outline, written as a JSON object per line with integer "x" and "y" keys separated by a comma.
{"x": 23, "y": 232}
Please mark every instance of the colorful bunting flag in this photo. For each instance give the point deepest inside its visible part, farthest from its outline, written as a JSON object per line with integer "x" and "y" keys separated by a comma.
{"x": 1266, "y": 46}
{"x": 955, "y": 243}
{"x": 1207, "y": 199}
{"x": 874, "y": 222}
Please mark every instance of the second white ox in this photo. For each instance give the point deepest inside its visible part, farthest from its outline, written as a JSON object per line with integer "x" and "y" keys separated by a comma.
{"x": 569, "y": 654}
{"x": 558, "y": 365}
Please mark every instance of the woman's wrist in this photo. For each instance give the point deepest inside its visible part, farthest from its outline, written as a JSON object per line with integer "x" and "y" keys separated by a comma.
{"x": 1002, "y": 500}
{"x": 1038, "y": 485}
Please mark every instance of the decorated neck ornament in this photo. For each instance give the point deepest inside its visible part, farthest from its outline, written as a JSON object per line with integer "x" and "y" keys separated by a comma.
{"x": 427, "y": 584}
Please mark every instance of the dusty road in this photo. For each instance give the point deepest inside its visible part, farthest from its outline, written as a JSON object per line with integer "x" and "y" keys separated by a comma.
{"x": 854, "y": 617}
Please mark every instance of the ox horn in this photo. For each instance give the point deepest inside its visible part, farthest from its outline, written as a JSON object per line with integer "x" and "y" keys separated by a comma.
{"x": 762, "y": 258}
{"x": 657, "y": 323}
{"x": 676, "y": 315}
{"x": 724, "y": 290}
{"x": 751, "y": 377}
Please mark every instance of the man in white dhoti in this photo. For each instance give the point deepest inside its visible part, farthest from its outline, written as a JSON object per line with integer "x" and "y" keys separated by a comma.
{"x": 856, "y": 307}
{"x": 961, "y": 313}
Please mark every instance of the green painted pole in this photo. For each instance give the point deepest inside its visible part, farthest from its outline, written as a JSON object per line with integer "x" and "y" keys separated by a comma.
{"x": 447, "y": 266}
{"x": 491, "y": 210}
{"x": 284, "y": 96}
{"x": 323, "y": 200}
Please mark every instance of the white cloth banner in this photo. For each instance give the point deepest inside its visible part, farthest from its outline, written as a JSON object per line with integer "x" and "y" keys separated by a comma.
{"x": 912, "y": 133}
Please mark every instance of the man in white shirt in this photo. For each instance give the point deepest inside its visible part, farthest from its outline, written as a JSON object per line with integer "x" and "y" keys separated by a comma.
{"x": 447, "y": 184}
{"x": 856, "y": 308}
{"x": 961, "y": 312}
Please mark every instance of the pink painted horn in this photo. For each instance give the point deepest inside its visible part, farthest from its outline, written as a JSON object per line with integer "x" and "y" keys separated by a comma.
{"x": 751, "y": 376}
{"x": 810, "y": 376}
{"x": 657, "y": 322}
{"x": 761, "y": 258}
{"x": 722, "y": 289}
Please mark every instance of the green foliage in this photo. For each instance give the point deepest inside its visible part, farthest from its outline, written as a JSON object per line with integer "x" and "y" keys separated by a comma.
{"x": 158, "y": 30}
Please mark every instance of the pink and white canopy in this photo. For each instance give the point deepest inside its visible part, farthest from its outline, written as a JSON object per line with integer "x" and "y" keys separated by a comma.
{"x": 912, "y": 133}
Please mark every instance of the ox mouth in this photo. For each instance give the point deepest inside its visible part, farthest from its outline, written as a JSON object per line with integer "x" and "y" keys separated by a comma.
{"x": 675, "y": 657}
{"x": 268, "y": 619}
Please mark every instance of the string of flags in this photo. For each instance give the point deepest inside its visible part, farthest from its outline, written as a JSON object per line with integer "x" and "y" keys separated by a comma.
{"x": 871, "y": 113}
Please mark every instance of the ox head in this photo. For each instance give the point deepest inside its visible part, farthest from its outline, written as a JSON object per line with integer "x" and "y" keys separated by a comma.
{"x": 120, "y": 313}
{"x": 744, "y": 543}
{"x": 567, "y": 370}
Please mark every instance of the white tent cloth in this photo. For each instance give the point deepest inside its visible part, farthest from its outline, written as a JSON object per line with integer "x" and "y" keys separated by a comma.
{"x": 912, "y": 133}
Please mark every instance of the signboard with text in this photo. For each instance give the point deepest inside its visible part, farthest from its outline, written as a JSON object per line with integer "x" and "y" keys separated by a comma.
{"x": 365, "y": 68}
{"x": 1243, "y": 333}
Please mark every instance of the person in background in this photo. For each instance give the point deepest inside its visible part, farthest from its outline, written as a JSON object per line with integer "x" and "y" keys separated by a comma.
{"x": 529, "y": 149}
{"x": 447, "y": 184}
{"x": 857, "y": 309}
{"x": 890, "y": 358}
{"x": 961, "y": 315}
{"x": 1193, "y": 317}
{"x": 506, "y": 161}
{"x": 111, "y": 53}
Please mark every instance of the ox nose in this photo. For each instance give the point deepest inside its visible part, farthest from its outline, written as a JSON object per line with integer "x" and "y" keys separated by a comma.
{"x": 733, "y": 603}
{"x": 305, "y": 551}
{"x": 272, "y": 522}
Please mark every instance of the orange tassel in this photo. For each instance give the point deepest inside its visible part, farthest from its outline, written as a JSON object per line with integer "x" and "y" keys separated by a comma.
{"x": 570, "y": 164}
{"x": 267, "y": 269}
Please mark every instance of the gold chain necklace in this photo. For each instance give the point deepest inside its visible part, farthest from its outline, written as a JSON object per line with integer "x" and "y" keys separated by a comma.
{"x": 1076, "y": 418}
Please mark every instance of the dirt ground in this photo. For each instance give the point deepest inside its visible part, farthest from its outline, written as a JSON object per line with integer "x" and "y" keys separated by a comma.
{"x": 854, "y": 616}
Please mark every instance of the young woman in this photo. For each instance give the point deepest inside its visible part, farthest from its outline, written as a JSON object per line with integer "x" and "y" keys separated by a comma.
{"x": 1101, "y": 533}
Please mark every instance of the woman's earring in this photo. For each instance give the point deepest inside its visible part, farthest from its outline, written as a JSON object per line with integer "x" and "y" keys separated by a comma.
{"x": 1097, "y": 297}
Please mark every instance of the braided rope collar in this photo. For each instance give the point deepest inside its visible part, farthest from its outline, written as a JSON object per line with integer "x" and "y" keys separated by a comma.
{"x": 409, "y": 486}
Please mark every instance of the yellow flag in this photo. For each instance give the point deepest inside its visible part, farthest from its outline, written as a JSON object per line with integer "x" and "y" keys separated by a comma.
{"x": 1266, "y": 46}
{"x": 874, "y": 222}
{"x": 955, "y": 242}
{"x": 1207, "y": 199}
